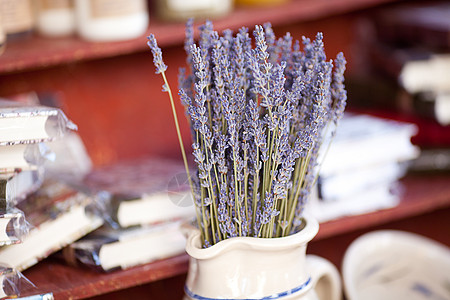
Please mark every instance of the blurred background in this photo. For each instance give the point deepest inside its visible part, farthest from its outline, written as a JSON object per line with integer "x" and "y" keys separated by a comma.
{"x": 90, "y": 58}
{"x": 101, "y": 69}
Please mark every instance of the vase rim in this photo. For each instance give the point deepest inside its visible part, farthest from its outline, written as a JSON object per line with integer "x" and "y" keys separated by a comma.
{"x": 306, "y": 234}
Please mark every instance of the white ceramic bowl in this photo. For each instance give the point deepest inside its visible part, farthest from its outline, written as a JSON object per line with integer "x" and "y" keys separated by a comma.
{"x": 395, "y": 265}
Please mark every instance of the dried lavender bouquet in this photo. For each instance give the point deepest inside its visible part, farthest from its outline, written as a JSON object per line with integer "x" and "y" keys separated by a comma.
{"x": 258, "y": 118}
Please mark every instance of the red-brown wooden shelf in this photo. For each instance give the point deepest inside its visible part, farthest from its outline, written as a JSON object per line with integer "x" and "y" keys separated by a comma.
{"x": 422, "y": 194}
{"x": 66, "y": 282}
{"x": 38, "y": 52}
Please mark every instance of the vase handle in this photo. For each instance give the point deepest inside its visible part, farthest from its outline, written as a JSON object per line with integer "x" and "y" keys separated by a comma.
{"x": 325, "y": 278}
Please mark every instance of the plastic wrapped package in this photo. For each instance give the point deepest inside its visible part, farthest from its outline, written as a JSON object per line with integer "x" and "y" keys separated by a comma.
{"x": 24, "y": 157}
{"x": 141, "y": 191}
{"x": 72, "y": 161}
{"x": 13, "y": 227}
{"x": 15, "y": 186}
{"x": 12, "y": 282}
{"x": 58, "y": 216}
{"x": 101, "y": 206}
{"x": 24, "y": 124}
{"x": 107, "y": 249}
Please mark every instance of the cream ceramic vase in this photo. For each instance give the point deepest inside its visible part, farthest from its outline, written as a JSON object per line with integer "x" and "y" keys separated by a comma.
{"x": 260, "y": 268}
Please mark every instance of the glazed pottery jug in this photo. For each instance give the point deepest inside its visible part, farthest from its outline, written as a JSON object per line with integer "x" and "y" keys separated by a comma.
{"x": 260, "y": 268}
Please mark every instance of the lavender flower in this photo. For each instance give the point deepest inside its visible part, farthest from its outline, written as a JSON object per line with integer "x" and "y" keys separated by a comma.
{"x": 157, "y": 54}
{"x": 257, "y": 116}
{"x": 271, "y": 42}
{"x": 338, "y": 92}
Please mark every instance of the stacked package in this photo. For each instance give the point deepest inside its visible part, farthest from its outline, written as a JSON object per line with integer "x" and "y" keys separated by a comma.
{"x": 37, "y": 216}
{"x": 362, "y": 167}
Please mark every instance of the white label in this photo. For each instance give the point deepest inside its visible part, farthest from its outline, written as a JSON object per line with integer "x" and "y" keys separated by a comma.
{"x": 184, "y": 5}
{"x": 55, "y": 4}
{"x": 17, "y": 15}
{"x": 117, "y": 8}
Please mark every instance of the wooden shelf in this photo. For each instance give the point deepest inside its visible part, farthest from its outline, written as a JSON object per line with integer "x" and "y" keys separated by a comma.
{"x": 38, "y": 52}
{"x": 422, "y": 194}
{"x": 67, "y": 282}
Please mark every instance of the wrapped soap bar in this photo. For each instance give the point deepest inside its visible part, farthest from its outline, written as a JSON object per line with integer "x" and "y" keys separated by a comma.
{"x": 12, "y": 282}
{"x": 24, "y": 124}
{"x": 108, "y": 249}
{"x": 58, "y": 215}
{"x": 13, "y": 226}
{"x": 17, "y": 185}
{"x": 19, "y": 157}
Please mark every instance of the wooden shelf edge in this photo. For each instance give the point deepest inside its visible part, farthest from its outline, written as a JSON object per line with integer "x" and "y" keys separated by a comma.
{"x": 38, "y": 52}
{"x": 53, "y": 276}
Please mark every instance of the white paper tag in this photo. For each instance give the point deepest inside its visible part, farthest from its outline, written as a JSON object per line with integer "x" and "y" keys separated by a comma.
{"x": 189, "y": 5}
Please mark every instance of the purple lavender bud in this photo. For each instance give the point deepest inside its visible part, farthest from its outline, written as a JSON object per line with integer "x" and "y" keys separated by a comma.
{"x": 261, "y": 45}
{"x": 157, "y": 54}
{"x": 239, "y": 168}
{"x": 198, "y": 62}
{"x": 205, "y": 34}
{"x": 268, "y": 209}
{"x": 260, "y": 78}
{"x": 258, "y": 218}
{"x": 238, "y": 58}
{"x": 284, "y": 47}
{"x": 189, "y": 36}
{"x": 244, "y": 224}
{"x": 245, "y": 38}
{"x": 319, "y": 47}
{"x": 188, "y": 42}
{"x": 185, "y": 82}
{"x": 228, "y": 37}
{"x": 184, "y": 98}
{"x": 198, "y": 154}
{"x": 277, "y": 81}
{"x": 231, "y": 193}
{"x": 207, "y": 201}
{"x": 296, "y": 52}
{"x": 339, "y": 94}
{"x": 207, "y": 244}
{"x": 271, "y": 41}
{"x": 264, "y": 155}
